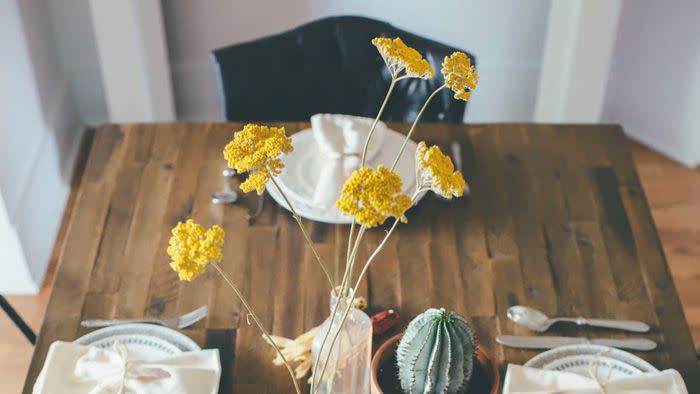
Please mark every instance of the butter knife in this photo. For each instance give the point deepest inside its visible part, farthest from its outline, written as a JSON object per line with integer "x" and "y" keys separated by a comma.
{"x": 548, "y": 342}
{"x": 456, "y": 149}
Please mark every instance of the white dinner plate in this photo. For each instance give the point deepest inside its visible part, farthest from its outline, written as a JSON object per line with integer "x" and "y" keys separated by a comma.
{"x": 552, "y": 359}
{"x": 303, "y": 167}
{"x": 178, "y": 340}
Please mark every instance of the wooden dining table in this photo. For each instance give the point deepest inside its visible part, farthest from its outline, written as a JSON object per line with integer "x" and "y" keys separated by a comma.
{"x": 556, "y": 219}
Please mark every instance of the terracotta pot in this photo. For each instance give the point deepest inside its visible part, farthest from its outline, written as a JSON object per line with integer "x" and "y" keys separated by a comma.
{"x": 486, "y": 378}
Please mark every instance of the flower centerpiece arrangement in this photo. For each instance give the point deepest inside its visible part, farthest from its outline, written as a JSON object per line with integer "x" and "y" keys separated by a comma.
{"x": 369, "y": 195}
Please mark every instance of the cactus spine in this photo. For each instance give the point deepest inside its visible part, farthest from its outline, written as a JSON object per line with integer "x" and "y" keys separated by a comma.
{"x": 436, "y": 354}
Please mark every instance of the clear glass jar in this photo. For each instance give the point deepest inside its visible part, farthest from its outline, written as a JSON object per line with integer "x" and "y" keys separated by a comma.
{"x": 349, "y": 363}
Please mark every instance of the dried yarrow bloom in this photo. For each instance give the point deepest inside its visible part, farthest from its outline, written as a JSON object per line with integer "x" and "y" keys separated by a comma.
{"x": 257, "y": 149}
{"x": 399, "y": 56}
{"x": 436, "y": 172}
{"x": 460, "y": 75}
{"x": 372, "y": 196}
{"x": 192, "y": 248}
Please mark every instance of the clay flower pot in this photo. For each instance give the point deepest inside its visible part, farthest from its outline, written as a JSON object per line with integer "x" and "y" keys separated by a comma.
{"x": 486, "y": 379}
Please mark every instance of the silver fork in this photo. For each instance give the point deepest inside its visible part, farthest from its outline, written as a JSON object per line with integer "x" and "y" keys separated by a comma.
{"x": 183, "y": 321}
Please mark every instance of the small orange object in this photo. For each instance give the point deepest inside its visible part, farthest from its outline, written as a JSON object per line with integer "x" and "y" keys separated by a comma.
{"x": 384, "y": 320}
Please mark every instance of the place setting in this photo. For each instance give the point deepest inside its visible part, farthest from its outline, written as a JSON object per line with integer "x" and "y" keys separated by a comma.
{"x": 329, "y": 151}
{"x": 582, "y": 364}
{"x": 145, "y": 355}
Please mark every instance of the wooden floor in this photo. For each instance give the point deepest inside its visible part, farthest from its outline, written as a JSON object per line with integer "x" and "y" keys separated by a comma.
{"x": 673, "y": 192}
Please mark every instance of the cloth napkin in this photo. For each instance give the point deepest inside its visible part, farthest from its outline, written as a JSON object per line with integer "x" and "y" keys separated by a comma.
{"x": 341, "y": 139}
{"x": 71, "y": 368}
{"x": 523, "y": 380}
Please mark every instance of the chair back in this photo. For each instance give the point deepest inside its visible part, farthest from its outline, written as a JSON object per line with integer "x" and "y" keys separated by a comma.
{"x": 328, "y": 66}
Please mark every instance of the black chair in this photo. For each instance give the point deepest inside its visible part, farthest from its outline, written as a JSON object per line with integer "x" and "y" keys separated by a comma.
{"x": 17, "y": 319}
{"x": 328, "y": 65}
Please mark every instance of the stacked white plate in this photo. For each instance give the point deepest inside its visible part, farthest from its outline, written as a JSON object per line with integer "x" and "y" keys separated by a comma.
{"x": 143, "y": 341}
{"x": 304, "y": 165}
{"x": 609, "y": 363}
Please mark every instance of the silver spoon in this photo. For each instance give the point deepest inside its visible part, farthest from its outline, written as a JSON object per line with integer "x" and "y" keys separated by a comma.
{"x": 226, "y": 196}
{"x": 537, "y": 321}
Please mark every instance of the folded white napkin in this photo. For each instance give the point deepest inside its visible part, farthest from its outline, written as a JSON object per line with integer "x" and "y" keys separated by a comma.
{"x": 341, "y": 139}
{"x": 523, "y": 380}
{"x": 71, "y": 368}
{"x": 344, "y": 135}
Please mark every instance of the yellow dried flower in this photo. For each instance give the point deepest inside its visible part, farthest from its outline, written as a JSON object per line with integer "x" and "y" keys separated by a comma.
{"x": 399, "y": 56}
{"x": 436, "y": 172}
{"x": 372, "y": 196}
{"x": 257, "y": 148}
{"x": 192, "y": 248}
{"x": 460, "y": 75}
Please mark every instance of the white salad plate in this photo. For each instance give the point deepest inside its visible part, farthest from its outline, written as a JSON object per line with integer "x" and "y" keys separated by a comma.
{"x": 140, "y": 346}
{"x": 583, "y": 364}
{"x": 303, "y": 169}
{"x": 141, "y": 339}
{"x": 578, "y": 358}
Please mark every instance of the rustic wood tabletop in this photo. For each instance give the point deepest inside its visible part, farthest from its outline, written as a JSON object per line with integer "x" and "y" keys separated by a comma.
{"x": 556, "y": 219}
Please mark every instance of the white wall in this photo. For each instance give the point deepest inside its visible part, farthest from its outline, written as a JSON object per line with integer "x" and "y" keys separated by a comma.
{"x": 654, "y": 84}
{"x": 77, "y": 54}
{"x": 506, "y": 36}
{"x": 39, "y": 134}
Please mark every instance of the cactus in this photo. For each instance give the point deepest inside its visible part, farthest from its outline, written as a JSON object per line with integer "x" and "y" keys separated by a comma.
{"x": 436, "y": 354}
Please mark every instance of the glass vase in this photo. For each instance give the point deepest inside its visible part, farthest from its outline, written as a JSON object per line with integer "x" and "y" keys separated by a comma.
{"x": 348, "y": 369}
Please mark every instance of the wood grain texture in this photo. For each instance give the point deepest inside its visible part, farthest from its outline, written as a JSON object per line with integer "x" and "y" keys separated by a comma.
{"x": 557, "y": 219}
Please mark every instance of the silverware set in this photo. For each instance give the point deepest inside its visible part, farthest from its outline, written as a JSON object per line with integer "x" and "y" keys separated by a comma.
{"x": 535, "y": 320}
{"x": 178, "y": 322}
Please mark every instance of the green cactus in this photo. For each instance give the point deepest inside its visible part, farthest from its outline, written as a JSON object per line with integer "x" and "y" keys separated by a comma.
{"x": 436, "y": 354}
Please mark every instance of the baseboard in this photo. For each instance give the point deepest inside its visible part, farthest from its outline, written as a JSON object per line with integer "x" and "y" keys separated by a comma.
{"x": 662, "y": 146}
{"x": 16, "y": 277}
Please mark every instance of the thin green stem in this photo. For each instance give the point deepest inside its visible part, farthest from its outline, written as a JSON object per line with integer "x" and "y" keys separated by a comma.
{"x": 258, "y": 323}
{"x": 352, "y": 230}
{"x": 357, "y": 283}
{"x": 351, "y": 260}
{"x": 342, "y": 292}
{"x": 306, "y": 235}
{"x": 323, "y": 344}
{"x": 413, "y": 126}
{"x": 376, "y": 120}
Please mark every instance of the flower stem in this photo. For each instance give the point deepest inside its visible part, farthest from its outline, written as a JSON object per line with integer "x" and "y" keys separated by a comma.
{"x": 306, "y": 235}
{"x": 323, "y": 344}
{"x": 357, "y": 283}
{"x": 376, "y": 120}
{"x": 413, "y": 126}
{"x": 343, "y": 284}
{"x": 258, "y": 323}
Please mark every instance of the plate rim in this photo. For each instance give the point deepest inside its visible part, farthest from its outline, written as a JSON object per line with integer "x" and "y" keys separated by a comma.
{"x": 578, "y": 349}
{"x": 173, "y": 348}
{"x": 178, "y": 339}
{"x": 604, "y": 358}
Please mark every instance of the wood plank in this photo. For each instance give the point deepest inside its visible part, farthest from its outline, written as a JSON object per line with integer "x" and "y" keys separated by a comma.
{"x": 144, "y": 230}
{"x": 82, "y": 244}
{"x": 662, "y": 292}
{"x": 163, "y": 288}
